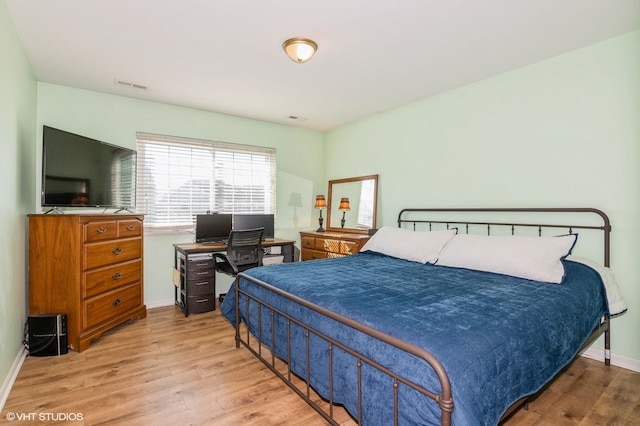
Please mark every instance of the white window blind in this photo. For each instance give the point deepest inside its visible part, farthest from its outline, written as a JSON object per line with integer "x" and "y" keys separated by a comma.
{"x": 181, "y": 177}
{"x": 123, "y": 169}
{"x": 365, "y": 209}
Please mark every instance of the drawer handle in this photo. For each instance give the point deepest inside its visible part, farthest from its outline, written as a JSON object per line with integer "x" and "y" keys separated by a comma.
{"x": 116, "y": 302}
{"x": 116, "y": 251}
{"x": 202, "y": 273}
{"x": 203, "y": 283}
{"x": 102, "y": 230}
{"x": 131, "y": 227}
{"x": 116, "y": 276}
{"x": 202, "y": 300}
{"x": 202, "y": 264}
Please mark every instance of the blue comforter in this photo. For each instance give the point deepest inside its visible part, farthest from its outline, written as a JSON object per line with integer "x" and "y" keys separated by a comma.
{"x": 499, "y": 337}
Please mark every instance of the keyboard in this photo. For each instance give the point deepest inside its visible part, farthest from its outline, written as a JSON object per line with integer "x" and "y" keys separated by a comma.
{"x": 215, "y": 243}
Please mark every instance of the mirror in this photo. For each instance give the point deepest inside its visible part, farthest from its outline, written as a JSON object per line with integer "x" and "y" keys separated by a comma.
{"x": 362, "y": 195}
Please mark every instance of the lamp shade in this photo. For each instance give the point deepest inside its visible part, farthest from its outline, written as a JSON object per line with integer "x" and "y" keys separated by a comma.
{"x": 300, "y": 49}
{"x": 321, "y": 203}
{"x": 344, "y": 205}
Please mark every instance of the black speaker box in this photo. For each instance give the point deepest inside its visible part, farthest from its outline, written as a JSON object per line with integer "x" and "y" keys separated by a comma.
{"x": 48, "y": 334}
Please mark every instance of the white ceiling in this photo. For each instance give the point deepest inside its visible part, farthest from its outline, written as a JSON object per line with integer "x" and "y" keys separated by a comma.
{"x": 225, "y": 55}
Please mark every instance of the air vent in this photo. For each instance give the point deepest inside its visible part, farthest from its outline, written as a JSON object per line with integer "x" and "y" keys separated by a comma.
{"x": 128, "y": 84}
{"x": 295, "y": 117}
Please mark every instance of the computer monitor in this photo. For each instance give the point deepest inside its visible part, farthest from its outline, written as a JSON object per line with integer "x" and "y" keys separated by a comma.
{"x": 250, "y": 221}
{"x": 213, "y": 227}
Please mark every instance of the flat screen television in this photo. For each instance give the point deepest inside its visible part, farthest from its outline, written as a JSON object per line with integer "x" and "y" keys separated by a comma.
{"x": 213, "y": 228}
{"x": 251, "y": 221}
{"x": 78, "y": 171}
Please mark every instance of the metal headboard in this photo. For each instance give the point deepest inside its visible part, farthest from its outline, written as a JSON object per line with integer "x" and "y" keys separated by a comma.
{"x": 426, "y": 219}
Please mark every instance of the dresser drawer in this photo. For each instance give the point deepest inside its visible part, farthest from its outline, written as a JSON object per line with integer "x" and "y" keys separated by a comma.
{"x": 307, "y": 254}
{"x": 100, "y": 231}
{"x": 129, "y": 228}
{"x": 106, "y": 279}
{"x": 112, "y": 252}
{"x": 308, "y": 242}
{"x": 336, "y": 246}
{"x": 109, "y": 305}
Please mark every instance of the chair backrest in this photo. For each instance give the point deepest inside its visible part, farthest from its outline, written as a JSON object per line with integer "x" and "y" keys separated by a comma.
{"x": 244, "y": 248}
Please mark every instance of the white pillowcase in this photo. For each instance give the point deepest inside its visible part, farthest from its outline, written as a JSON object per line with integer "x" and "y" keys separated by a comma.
{"x": 534, "y": 258}
{"x": 416, "y": 246}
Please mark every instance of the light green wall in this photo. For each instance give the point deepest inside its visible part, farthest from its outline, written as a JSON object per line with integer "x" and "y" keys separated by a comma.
{"x": 562, "y": 132}
{"x": 17, "y": 174}
{"x": 116, "y": 119}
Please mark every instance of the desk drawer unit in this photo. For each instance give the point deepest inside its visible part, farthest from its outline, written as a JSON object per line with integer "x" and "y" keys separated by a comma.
{"x": 197, "y": 287}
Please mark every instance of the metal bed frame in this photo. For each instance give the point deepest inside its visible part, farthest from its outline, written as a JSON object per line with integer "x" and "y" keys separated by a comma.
{"x": 444, "y": 399}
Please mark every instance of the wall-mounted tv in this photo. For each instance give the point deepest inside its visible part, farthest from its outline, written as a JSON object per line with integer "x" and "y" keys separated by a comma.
{"x": 78, "y": 171}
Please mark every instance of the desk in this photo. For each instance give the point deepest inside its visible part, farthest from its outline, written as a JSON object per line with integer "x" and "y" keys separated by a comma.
{"x": 195, "y": 280}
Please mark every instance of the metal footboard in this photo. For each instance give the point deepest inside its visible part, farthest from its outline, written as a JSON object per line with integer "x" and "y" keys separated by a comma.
{"x": 443, "y": 399}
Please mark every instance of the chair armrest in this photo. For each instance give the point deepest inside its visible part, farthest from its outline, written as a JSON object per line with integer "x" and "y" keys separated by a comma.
{"x": 225, "y": 259}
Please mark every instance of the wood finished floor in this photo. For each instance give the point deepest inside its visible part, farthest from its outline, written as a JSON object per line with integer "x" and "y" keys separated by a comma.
{"x": 170, "y": 370}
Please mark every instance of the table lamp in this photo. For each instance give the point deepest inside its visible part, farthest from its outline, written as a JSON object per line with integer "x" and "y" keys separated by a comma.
{"x": 321, "y": 203}
{"x": 344, "y": 208}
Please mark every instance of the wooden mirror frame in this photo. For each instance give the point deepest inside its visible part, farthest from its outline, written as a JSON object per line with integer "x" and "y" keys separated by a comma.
{"x": 332, "y": 191}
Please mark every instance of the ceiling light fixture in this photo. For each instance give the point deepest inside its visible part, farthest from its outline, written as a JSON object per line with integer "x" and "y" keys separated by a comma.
{"x": 300, "y": 49}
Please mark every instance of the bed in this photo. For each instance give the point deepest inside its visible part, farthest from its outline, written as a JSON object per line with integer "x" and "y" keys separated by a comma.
{"x": 405, "y": 332}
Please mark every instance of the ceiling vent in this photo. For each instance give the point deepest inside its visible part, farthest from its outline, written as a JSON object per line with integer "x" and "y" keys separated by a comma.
{"x": 128, "y": 84}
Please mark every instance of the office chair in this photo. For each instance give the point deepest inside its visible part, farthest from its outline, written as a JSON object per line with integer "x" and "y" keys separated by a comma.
{"x": 244, "y": 251}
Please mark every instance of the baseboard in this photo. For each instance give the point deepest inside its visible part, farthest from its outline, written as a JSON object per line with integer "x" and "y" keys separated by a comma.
{"x": 160, "y": 303}
{"x": 170, "y": 302}
{"x": 11, "y": 377}
{"x": 617, "y": 360}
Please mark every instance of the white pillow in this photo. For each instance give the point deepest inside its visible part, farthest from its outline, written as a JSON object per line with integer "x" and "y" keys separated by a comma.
{"x": 416, "y": 246}
{"x": 534, "y": 258}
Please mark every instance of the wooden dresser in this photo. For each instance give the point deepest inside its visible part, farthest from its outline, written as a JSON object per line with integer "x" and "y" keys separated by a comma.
{"x": 88, "y": 267}
{"x": 320, "y": 245}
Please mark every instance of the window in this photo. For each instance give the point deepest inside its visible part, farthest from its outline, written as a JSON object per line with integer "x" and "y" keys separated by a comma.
{"x": 365, "y": 209}
{"x": 122, "y": 179}
{"x": 180, "y": 177}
